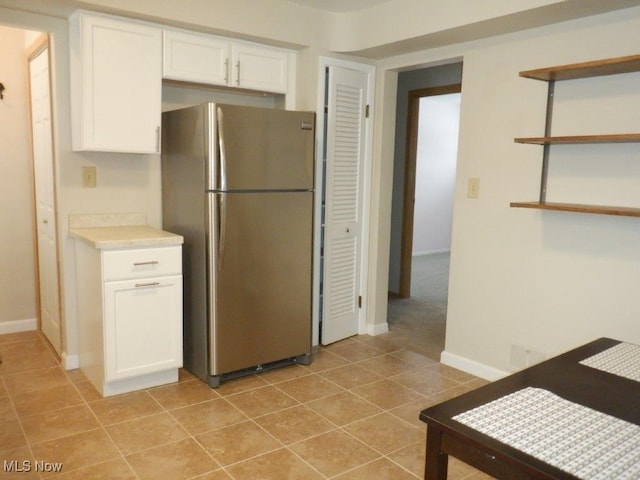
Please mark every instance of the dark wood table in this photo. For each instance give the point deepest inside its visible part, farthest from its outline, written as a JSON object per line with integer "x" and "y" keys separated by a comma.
{"x": 562, "y": 375}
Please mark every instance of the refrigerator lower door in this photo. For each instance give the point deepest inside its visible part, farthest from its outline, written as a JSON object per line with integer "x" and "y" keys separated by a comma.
{"x": 261, "y": 305}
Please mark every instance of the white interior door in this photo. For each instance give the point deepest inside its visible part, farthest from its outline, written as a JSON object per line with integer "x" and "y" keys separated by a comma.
{"x": 45, "y": 197}
{"x": 345, "y": 139}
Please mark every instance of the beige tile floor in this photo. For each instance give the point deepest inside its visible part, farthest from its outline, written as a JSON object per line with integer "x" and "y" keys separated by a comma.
{"x": 351, "y": 415}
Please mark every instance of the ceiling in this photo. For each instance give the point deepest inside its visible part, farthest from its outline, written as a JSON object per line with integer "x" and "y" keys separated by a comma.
{"x": 339, "y": 5}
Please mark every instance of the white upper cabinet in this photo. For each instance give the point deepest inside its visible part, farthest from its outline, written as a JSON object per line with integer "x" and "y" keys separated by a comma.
{"x": 117, "y": 67}
{"x": 259, "y": 68}
{"x": 193, "y": 57}
{"x": 207, "y": 59}
{"x": 116, "y": 84}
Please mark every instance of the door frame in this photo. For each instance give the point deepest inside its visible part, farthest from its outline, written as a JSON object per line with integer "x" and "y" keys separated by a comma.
{"x": 370, "y": 70}
{"x": 409, "y": 181}
{"x": 42, "y": 42}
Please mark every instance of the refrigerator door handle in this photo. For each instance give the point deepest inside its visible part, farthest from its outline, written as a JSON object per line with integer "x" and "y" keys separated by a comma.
{"x": 222, "y": 228}
{"x": 222, "y": 204}
{"x": 221, "y": 147}
{"x": 213, "y": 225}
{"x": 217, "y": 229}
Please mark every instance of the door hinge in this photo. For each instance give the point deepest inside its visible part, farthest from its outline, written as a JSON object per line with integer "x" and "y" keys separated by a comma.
{"x": 359, "y": 301}
{"x": 366, "y": 111}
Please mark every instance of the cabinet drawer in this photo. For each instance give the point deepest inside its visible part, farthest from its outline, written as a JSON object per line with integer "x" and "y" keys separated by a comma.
{"x": 141, "y": 262}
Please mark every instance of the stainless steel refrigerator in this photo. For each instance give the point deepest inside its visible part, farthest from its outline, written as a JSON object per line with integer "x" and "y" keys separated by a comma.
{"x": 237, "y": 183}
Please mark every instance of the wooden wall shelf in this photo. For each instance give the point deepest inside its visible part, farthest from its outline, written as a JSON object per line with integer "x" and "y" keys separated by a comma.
{"x": 581, "y": 208}
{"x": 609, "y": 66}
{"x": 578, "y": 139}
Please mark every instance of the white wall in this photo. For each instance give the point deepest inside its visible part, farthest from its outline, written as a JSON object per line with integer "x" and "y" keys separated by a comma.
{"x": 548, "y": 281}
{"x": 17, "y": 247}
{"x": 436, "y": 157}
{"x": 359, "y": 32}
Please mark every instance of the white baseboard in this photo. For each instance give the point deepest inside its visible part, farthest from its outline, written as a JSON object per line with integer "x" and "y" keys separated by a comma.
{"x": 429, "y": 252}
{"x": 138, "y": 383}
{"x": 377, "y": 329}
{"x": 472, "y": 367}
{"x": 14, "y": 326}
{"x": 70, "y": 362}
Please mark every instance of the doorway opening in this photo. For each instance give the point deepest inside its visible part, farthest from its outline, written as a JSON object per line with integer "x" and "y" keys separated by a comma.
{"x": 428, "y": 107}
{"x": 430, "y": 173}
{"x": 29, "y": 168}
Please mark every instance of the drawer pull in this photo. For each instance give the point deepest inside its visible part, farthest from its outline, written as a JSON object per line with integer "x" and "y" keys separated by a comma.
{"x": 148, "y": 284}
{"x": 151, "y": 262}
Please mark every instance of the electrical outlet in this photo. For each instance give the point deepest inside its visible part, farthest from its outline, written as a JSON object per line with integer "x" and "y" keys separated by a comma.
{"x": 522, "y": 357}
{"x": 518, "y": 359}
{"x": 473, "y": 188}
{"x": 89, "y": 177}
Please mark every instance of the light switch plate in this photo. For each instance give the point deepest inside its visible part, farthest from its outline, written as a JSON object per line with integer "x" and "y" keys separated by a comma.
{"x": 89, "y": 177}
{"x": 473, "y": 188}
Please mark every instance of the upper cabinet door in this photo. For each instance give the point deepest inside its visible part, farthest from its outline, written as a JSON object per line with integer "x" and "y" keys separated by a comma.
{"x": 259, "y": 68}
{"x": 194, "y": 57}
{"x": 116, "y": 84}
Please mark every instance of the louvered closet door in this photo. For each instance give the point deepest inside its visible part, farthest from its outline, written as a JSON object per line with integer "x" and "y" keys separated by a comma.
{"x": 343, "y": 203}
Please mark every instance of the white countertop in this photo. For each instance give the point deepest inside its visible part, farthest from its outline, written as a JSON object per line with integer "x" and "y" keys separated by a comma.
{"x": 125, "y": 236}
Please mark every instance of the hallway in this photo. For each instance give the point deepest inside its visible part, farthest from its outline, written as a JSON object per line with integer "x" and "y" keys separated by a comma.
{"x": 418, "y": 322}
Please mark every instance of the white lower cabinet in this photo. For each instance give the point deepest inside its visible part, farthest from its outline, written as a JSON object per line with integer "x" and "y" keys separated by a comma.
{"x": 141, "y": 332}
{"x": 130, "y": 316}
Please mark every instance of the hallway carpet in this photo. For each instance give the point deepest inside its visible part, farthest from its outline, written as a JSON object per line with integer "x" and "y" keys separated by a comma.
{"x": 418, "y": 322}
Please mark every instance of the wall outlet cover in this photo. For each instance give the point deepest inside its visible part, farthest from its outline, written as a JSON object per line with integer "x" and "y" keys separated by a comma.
{"x": 473, "y": 188}
{"x": 89, "y": 177}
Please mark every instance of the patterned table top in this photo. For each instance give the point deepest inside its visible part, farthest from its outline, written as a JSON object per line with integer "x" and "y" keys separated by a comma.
{"x": 622, "y": 360}
{"x": 588, "y": 444}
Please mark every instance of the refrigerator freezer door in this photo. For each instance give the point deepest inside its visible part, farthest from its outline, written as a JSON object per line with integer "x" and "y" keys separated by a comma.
{"x": 266, "y": 149}
{"x": 262, "y": 304}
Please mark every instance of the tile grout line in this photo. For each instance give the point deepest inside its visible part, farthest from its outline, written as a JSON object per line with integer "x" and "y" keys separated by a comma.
{"x": 24, "y": 433}
{"x": 342, "y": 427}
{"x": 193, "y": 436}
{"x": 304, "y": 404}
{"x": 383, "y": 411}
{"x": 102, "y": 427}
{"x": 278, "y": 383}
{"x": 190, "y": 435}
